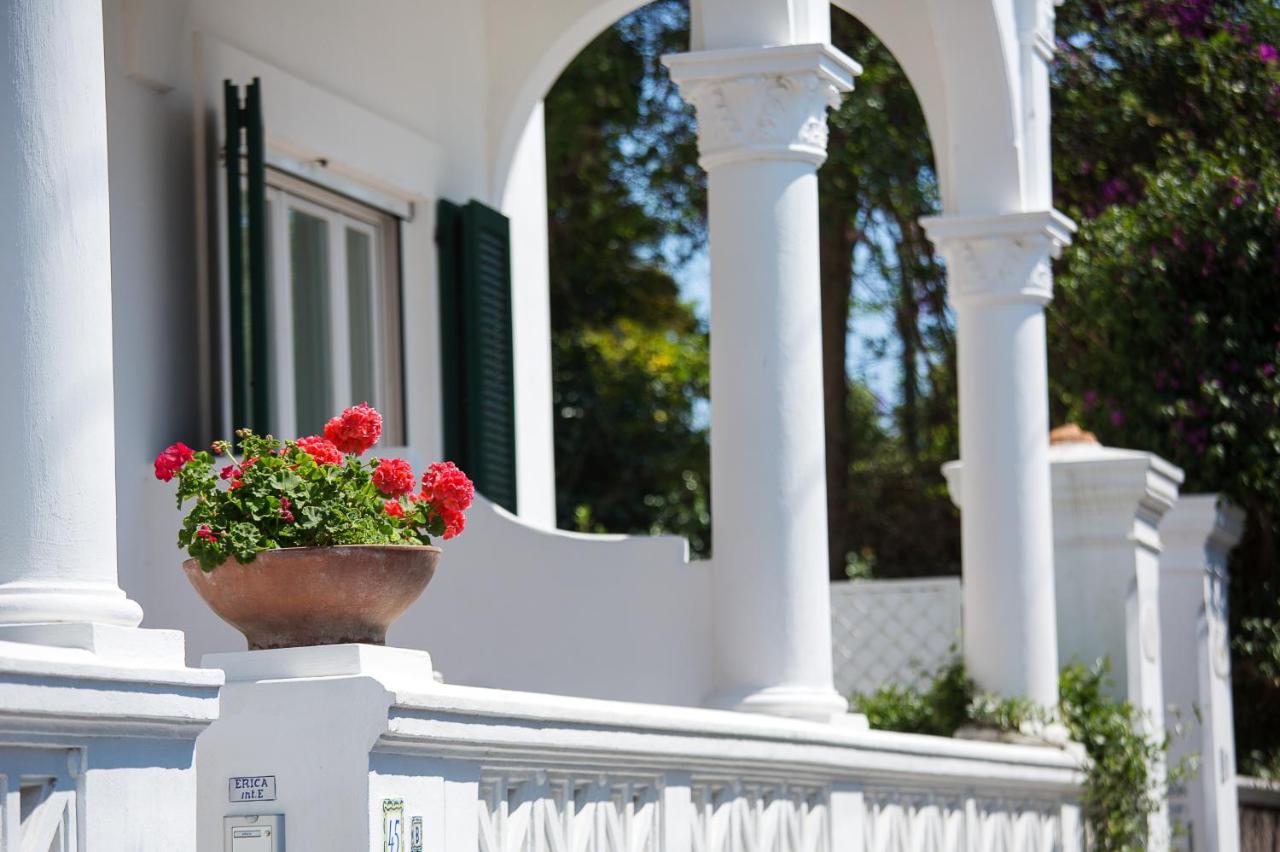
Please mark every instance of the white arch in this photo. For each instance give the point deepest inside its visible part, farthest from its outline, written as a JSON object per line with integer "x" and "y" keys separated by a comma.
{"x": 961, "y": 57}
{"x": 531, "y": 44}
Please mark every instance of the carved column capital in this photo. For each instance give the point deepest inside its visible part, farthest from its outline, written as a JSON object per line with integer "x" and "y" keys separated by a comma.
{"x": 1000, "y": 259}
{"x": 766, "y": 103}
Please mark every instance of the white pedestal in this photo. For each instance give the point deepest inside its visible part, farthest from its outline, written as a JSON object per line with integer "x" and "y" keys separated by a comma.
{"x": 308, "y": 719}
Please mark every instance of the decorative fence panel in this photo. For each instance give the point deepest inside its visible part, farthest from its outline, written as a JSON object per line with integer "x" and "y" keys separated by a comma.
{"x": 892, "y": 631}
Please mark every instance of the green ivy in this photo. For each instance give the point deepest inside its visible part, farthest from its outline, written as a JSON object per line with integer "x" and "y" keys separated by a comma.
{"x": 1121, "y": 789}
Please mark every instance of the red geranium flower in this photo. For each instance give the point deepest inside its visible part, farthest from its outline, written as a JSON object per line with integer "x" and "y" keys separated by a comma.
{"x": 320, "y": 449}
{"x": 393, "y": 508}
{"x": 355, "y": 430}
{"x": 454, "y": 522}
{"x": 447, "y": 487}
{"x": 169, "y": 462}
{"x": 205, "y": 533}
{"x": 393, "y": 477}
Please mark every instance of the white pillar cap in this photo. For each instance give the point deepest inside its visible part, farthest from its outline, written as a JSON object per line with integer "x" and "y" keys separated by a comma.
{"x": 1197, "y": 525}
{"x": 1000, "y": 259}
{"x": 763, "y": 103}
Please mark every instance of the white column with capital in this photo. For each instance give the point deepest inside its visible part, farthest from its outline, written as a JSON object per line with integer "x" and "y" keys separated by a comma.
{"x": 1198, "y": 535}
{"x": 99, "y": 717}
{"x": 762, "y": 135}
{"x": 999, "y": 281}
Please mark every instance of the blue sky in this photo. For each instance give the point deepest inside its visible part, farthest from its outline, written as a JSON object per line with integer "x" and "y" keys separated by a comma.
{"x": 881, "y": 374}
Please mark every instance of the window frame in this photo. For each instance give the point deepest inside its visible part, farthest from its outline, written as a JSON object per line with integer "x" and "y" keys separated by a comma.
{"x": 285, "y": 192}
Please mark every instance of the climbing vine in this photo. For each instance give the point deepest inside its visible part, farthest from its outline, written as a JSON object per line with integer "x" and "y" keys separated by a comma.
{"x": 1121, "y": 782}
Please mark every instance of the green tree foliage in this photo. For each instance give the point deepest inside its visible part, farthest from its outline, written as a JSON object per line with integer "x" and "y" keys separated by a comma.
{"x": 879, "y": 179}
{"x": 630, "y": 358}
{"x": 1165, "y": 331}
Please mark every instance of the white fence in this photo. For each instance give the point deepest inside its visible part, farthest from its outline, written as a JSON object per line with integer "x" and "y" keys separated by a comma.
{"x": 892, "y": 631}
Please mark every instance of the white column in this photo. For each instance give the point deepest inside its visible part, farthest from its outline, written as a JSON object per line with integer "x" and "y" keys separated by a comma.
{"x": 1198, "y": 535}
{"x": 106, "y": 709}
{"x": 57, "y": 509}
{"x": 1107, "y": 507}
{"x": 762, "y": 134}
{"x": 999, "y": 281}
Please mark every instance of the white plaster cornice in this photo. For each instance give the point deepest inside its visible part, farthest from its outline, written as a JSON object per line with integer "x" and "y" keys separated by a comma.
{"x": 765, "y": 103}
{"x": 1108, "y": 492}
{"x": 1002, "y": 259}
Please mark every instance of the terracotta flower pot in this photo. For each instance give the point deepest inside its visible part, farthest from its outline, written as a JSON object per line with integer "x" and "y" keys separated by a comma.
{"x": 316, "y": 595}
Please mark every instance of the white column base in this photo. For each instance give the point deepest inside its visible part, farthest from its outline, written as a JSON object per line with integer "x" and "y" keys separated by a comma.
{"x": 40, "y": 601}
{"x": 818, "y": 705}
{"x": 105, "y": 644}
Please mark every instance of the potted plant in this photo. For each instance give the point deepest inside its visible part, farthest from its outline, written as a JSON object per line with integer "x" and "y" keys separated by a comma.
{"x": 302, "y": 542}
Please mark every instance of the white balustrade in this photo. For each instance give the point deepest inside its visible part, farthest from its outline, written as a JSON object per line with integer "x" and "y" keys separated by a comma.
{"x": 498, "y": 771}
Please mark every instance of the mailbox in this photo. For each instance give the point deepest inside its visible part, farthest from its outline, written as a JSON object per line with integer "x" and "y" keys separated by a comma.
{"x": 254, "y": 833}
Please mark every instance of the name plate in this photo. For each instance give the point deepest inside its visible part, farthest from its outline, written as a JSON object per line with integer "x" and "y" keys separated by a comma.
{"x": 251, "y": 788}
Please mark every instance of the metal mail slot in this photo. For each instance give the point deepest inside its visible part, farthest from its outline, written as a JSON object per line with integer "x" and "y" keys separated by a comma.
{"x": 254, "y": 833}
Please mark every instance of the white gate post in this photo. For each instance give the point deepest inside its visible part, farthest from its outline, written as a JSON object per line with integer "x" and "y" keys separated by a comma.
{"x": 1198, "y": 534}
{"x": 1107, "y": 507}
{"x": 762, "y": 135}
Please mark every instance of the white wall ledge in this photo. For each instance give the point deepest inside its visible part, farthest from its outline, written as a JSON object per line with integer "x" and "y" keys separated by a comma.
{"x": 514, "y": 726}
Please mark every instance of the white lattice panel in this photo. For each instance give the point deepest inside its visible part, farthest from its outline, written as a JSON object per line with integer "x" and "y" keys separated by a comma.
{"x": 892, "y": 631}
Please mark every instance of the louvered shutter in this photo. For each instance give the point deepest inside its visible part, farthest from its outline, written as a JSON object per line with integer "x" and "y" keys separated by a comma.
{"x": 476, "y": 337}
{"x": 247, "y": 255}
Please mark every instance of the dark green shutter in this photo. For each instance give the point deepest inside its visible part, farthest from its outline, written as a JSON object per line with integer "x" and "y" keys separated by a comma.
{"x": 477, "y": 365}
{"x": 247, "y": 253}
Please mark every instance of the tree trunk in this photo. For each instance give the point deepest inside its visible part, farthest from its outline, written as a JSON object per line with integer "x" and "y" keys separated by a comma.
{"x": 837, "y": 241}
{"x": 907, "y": 320}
